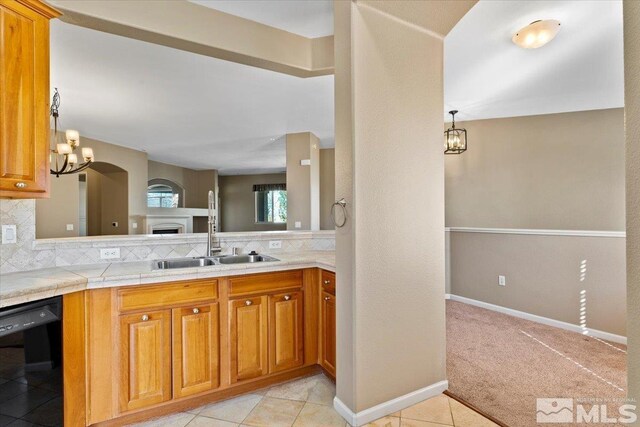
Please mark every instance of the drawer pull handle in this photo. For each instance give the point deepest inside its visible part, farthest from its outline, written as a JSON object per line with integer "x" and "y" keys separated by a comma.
{"x": 327, "y": 298}
{"x": 196, "y": 310}
{"x": 21, "y": 185}
{"x": 287, "y": 297}
{"x": 326, "y": 282}
{"x": 145, "y": 317}
{"x": 248, "y": 302}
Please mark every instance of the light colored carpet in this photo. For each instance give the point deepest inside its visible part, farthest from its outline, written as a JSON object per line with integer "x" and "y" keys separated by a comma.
{"x": 501, "y": 364}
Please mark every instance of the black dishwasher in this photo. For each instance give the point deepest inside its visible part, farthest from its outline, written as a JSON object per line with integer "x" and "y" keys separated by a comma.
{"x": 30, "y": 364}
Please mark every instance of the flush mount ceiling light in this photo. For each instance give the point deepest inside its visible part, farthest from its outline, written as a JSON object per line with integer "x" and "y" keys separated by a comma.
{"x": 536, "y": 34}
{"x": 455, "y": 140}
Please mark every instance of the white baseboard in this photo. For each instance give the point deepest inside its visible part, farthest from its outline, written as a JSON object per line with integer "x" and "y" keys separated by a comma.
{"x": 390, "y": 406}
{"x": 539, "y": 319}
{"x": 447, "y": 296}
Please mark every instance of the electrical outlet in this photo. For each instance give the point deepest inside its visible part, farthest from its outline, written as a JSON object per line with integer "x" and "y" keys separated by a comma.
{"x": 298, "y": 224}
{"x": 114, "y": 223}
{"x": 502, "y": 281}
{"x": 69, "y": 227}
{"x": 9, "y": 234}
{"x": 134, "y": 225}
{"x": 110, "y": 253}
{"x": 275, "y": 244}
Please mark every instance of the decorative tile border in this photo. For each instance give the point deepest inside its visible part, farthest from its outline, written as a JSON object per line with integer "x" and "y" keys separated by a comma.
{"x": 30, "y": 254}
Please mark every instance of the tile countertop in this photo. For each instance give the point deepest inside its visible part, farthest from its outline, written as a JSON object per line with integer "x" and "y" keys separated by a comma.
{"x": 25, "y": 286}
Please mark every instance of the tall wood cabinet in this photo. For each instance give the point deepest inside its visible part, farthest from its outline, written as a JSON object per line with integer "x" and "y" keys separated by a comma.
{"x": 24, "y": 98}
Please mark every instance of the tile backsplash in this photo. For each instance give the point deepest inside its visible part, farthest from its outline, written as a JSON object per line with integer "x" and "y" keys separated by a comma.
{"x": 29, "y": 253}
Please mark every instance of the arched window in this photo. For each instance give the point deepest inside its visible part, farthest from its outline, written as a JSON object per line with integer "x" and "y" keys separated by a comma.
{"x": 162, "y": 193}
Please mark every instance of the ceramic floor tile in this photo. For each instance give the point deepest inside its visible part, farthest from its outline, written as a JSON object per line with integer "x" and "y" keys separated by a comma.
{"x": 385, "y": 422}
{"x": 24, "y": 403}
{"x": 293, "y": 390}
{"x": 323, "y": 392}
{"x": 234, "y": 410}
{"x": 49, "y": 414}
{"x": 200, "y": 421}
{"x": 23, "y": 423}
{"x": 435, "y": 410}
{"x": 313, "y": 415}
{"x": 5, "y": 420}
{"x": 465, "y": 417}
{"x": 176, "y": 420}
{"x": 404, "y": 422}
{"x": 272, "y": 412}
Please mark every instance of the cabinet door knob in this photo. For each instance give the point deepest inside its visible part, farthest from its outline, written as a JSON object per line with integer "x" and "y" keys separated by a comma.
{"x": 145, "y": 317}
{"x": 21, "y": 185}
{"x": 327, "y": 298}
{"x": 248, "y": 302}
{"x": 326, "y": 282}
{"x": 196, "y": 310}
{"x": 287, "y": 297}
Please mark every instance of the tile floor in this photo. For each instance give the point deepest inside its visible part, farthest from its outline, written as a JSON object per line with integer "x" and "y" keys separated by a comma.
{"x": 308, "y": 402}
{"x": 28, "y": 399}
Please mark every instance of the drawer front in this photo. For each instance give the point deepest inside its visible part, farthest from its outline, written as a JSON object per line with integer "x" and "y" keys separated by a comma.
{"x": 139, "y": 297}
{"x": 328, "y": 282}
{"x": 268, "y": 282}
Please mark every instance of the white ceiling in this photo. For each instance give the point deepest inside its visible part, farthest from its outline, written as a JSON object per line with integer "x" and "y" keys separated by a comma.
{"x": 182, "y": 108}
{"x": 309, "y": 18}
{"x": 488, "y": 76}
{"x": 203, "y": 113}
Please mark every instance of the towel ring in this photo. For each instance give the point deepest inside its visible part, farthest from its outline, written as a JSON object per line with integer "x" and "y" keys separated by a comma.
{"x": 343, "y": 204}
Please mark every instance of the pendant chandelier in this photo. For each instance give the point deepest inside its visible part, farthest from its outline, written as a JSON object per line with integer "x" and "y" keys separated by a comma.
{"x": 63, "y": 156}
{"x": 455, "y": 140}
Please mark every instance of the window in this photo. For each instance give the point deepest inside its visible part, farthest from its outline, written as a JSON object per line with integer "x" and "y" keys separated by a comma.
{"x": 162, "y": 196}
{"x": 271, "y": 206}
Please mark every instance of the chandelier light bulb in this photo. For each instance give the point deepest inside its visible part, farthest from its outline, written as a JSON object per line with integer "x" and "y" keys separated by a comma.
{"x": 63, "y": 148}
{"x": 73, "y": 159}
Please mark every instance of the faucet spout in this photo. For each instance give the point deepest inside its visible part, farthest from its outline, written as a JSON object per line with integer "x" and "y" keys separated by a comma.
{"x": 213, "y": 246}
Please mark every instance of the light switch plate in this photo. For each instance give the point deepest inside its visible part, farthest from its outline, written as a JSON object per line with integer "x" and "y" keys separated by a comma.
{"x": 69, "y": 227}
{"x": 502, "y": 281}
{"x": 9, "y": 234}
{"x": 110, "y": 253}
{"x": 305, "y": 162}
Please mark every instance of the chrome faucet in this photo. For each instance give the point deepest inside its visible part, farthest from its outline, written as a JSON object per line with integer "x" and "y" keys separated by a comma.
{"x": 213, "y": 246}
{"x": 234, "y": 251}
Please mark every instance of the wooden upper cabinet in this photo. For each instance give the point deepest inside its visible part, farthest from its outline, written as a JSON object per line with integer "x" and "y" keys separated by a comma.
{"x": 286, "y": 336}
{"x": 24, "y": 98}
{"x": 196, "y": 351}
{"x": 145, "y": 359}
{"x": 328, "y": 332}
{"x": 248, "y": 338}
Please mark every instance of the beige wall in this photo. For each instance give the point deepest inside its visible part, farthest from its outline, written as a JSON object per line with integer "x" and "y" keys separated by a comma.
{"x": 53, "y": 214}
{"x": 556, "y": 171}
{"x": 196, "y": 184}
{"x": 237, "y": 202}
{"x": 543, "y": 275}
{"x": 303, "y": 182}
{"x": 632, "y": 117}
{"x": 389, "y": 75}
{"x": 327, "y": 187}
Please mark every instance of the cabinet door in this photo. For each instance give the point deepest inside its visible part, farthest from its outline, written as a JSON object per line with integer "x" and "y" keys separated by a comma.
{"x": 286, "y": 338}
{"x": 24, "y": 99}
{"x": 195, "y": 349}
{"x": 248, "y": 338}
{"x": 145, "y": 359}
{"x": 328, "y": 325}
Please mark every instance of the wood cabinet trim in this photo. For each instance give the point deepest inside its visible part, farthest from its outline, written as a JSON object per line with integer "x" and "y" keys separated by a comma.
{"x": 264, "y": 283}
{"x": 167, "y": 294}
{"x": 39, "y": 7}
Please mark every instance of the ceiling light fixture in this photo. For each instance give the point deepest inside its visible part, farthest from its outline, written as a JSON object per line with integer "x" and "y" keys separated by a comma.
{"x": 536, "y": 34}
{"x": 455, "y": 140}
{"x": 66, "y": 147}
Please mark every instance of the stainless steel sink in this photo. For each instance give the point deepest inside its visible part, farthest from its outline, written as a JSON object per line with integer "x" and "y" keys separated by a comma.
{"x": 242, "y": 259}
{"x": 168, "y": 264}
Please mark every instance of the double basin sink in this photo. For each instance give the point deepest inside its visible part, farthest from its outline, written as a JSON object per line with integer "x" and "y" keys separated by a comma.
{"x": 168, "y": 264}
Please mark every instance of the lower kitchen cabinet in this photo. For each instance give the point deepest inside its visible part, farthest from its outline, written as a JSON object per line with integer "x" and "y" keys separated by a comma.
{"x": 196, "y": 350}
{"x": 328, "y": 332}
{"x": 248, "y": 338}
{"x": 145, "y": 359}
{"x": 286, "y": 331}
